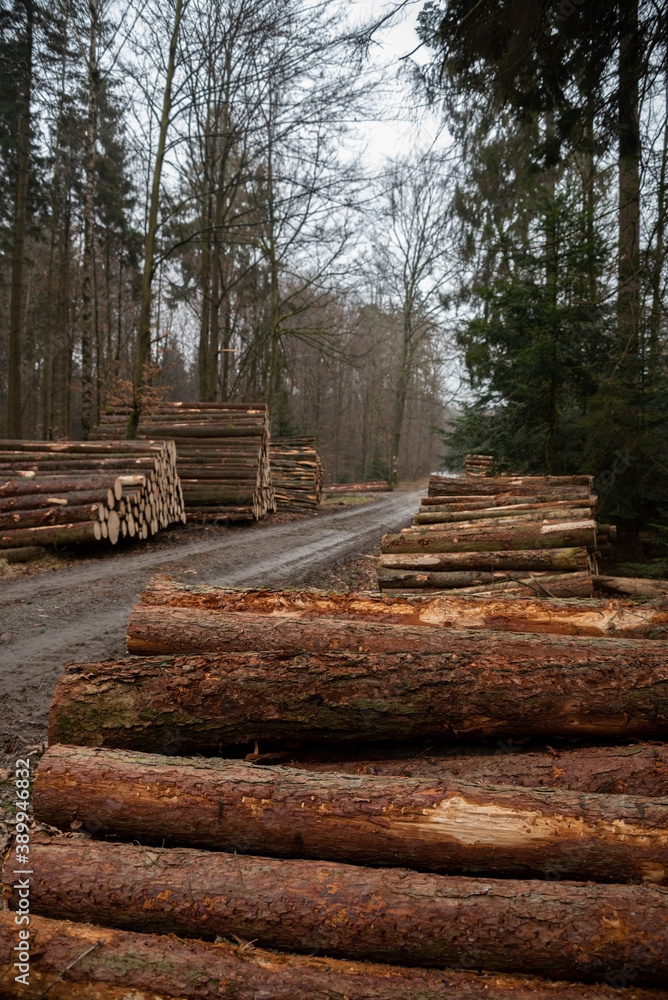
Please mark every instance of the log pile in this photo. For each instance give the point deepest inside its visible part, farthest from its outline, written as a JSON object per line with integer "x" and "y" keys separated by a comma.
{"x": 503, "y": 534}
{"x": 316, "y": 827}
{"x": 222, "y": 455}
{"x": 479, "y": 465}
{"x": 62, "y": 493}
{"x": 296, "y": 473}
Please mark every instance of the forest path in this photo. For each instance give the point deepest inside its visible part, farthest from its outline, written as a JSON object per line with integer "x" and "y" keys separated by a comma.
{"x": 81, "y": 612}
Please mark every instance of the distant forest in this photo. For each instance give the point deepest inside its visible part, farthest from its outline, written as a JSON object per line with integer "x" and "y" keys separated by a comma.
{"x": 185, "y": 213}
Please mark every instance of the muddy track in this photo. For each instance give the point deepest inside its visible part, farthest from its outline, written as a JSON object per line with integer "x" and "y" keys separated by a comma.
{"x": 81, "y": 613}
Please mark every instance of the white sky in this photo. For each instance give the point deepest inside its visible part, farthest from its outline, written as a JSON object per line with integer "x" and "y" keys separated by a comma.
{"x": 402, "y": 125}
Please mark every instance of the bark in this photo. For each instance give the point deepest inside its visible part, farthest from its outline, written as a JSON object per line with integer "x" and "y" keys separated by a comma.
{"x": 471, "y": 539}
{"x": 63, "y": 534}
{"x": 88, "y": 330}
{"x": 632, "y": 585}
{"x": 546, "y": 487}
{"x": 435, "y": 825}
{"x": 575, "y": 617}
{"x": 189, "y": 970}
{"x": 529, "y": 559}
{"x": 545, "y": 584}
{"x": 52, "y": 515}
{"x": 481, "y": 684}
{"x": 567, "y": 930}
{"x": 628, "y": 295}
{"x": 537, "y": 512}
{"x": 54, "y": 485}
{"x": 479, "y": 501}
{"x": 14, "y": 345}
{"x": 641, "y": 769}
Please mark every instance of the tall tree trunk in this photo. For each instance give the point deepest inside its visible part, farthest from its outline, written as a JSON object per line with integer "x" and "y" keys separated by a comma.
{"x": 87, "y": 305}
{"x": 628, "y": 298}
{"x": 143, "y": 351}
{"x": 14, "y": 402}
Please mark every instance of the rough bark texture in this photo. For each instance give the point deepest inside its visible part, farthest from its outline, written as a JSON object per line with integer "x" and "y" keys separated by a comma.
{"x": 481, "y": 684}
{"x": 441, "y": 824}
{"x": 547, "y": 487}
{"x": 546, "y": 584}
{"x": 132, "y": 966}
{"x": 528, "y": 559}
{"x": 472, "y": 539}
{"x": 640, "y": 769}
{"x": 558, "y": 929}
{"x": 607, "y": 617}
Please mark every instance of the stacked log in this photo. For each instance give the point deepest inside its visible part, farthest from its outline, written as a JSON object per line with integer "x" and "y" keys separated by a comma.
{"x": 479, "y": 465}
{"x": 489, "y": 535}
{"x": 379, "y": 486}
{"x": 339, "y": 838}
{"x": 296, "y": 473}
{"x": 222, "y": 454}
{"x": 62, "y": 493}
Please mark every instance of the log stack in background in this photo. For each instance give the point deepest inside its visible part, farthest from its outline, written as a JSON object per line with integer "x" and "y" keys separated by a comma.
{"x": 479, "y": 465}
{"x": 296, "y": 473}
{"x": 480, "y": 534}
{"x": 448, "y": 855}
{"x": 61, "y": 493}
{"x": 222, "y": 454}
{"x": 379, "y": 486}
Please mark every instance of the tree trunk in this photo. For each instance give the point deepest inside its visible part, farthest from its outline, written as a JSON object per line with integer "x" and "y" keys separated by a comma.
{"x": 564, "y": 534}
{"x": 143, "y": 352}
{"x": 641, "y": 769}
{"x": 445, "y": 825}
{"x": 480, "y": 685}
{"x": 574, "y": 617}
{"x": 541, "y": 584}
{"x": 529, "y": 559}
{"x": 14, "y": 345}
{"x": 628, "y": 296}
{"x": 537, "y": 512}
{"x": 539, "y": 927}
{"x": 51, "y": 515}
{"x": 88, "y": 326}
{"x": 77, "y": 961}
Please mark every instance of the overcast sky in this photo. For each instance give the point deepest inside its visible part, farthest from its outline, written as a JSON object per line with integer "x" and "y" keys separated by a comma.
{"x": 401, "y": 126}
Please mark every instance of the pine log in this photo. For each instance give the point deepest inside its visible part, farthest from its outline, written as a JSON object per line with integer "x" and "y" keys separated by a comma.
{"x": 482, "y": 684}
{"x": 546, "y": 584}
{"x": 54, "y": 514}
{"x": 559, "y": 929}
{"x": 530, "y": 559}
{"x": 477, "y": 501}
{"x": 56, "y": 485}
{"x": 635, "y": 586}
{"x": 536, "y": 512}
{"x": 641, "y": 769}
{"x": 564, "y": 585}
{"x": 430, "y": 824}
{"x": 64, "y": 534}
{"x": 574, "y": 617}
{"x": 41, "y": 501}
{"x": 518, "y": 485}
{"x": 526, "y": 536}
{"x": 79, "y": 961}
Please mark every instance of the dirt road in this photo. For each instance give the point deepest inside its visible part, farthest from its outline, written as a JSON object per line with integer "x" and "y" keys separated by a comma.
{"x": 81, "y": 613}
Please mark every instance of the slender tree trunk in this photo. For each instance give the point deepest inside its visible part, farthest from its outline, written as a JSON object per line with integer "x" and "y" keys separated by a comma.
{"x": 87, "y": 294}
{"x": 14, "y": 401}
{"x": 143, "y": 352}
{"x": 628, "y": 298}
{"x": 660, "y": 247}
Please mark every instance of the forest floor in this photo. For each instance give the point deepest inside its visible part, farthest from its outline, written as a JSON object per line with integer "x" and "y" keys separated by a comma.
{"x": 77, "y": 607}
